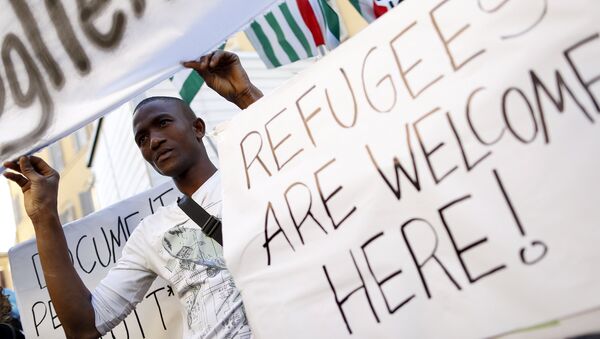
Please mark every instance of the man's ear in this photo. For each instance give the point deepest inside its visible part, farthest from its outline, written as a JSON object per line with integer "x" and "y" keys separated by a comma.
{"x": 199, "y": 128}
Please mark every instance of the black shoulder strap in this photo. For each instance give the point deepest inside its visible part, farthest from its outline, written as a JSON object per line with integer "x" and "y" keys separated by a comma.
{"x": 210, "y": 225}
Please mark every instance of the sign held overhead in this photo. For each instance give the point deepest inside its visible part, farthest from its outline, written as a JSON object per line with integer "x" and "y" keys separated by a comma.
{"x": 64, "y": 64}
{"x": 435, "y": 169}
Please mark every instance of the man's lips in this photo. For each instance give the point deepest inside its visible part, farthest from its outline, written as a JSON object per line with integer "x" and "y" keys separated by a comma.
{"x": 161, "y": 155}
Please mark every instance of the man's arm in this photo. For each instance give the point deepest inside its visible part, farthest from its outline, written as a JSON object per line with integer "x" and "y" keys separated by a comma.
{"x": 70, "y": 297}
{"x": 223, "y": 72}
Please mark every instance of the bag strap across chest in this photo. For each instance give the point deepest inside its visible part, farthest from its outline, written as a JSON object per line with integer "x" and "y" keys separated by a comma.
{"x": 210, "y": 225}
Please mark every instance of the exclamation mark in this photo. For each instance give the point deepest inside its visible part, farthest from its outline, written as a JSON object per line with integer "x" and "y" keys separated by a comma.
{"x": 543, "y": 248}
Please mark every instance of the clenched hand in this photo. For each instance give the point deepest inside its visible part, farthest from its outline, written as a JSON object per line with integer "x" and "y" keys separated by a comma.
{"x": 224, "y": 73}
{"x": 39, "y": 183}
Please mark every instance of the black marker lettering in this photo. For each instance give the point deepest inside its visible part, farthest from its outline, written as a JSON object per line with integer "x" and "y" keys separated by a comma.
{"x": 269, "y": 238}
{"x": 126, "y": 220}
{"x": 380, "y": 283}
{"x": 37, "y": 323}
{"x": 446, "y": 41}
{"x": 325, "y": 200}
{"x": 414, "y": 179}
{"x": 117, "y": 239}
{"x": 468, "y": 165}
{"x": 52, "y": 315}
{"x": 304, "y": 117}
{"x": 138, "y": 7}
{"x": 107, "y": 249}
{"x": 525, "y": 259}
{"x": 387, "y": 78}
{"x": 67, "y": 36}
{"x": 137, "y": 318}
{"x": 587, "y": 84}
{"x": 559, "y": 103}
{"x": 89, "y": 11}
{"x": 79, "y": 259}
{"x": 340, "y": 301}
{"x": 428, "y": 153}
{"x": 468, "y": 112}
{"x": 404, "y": 72}
{"x": 160, "y": 198}
{"x": 247, "y": 164}
{"x": 460, "y": 251}
{"x": 2, "y": 96}
{"x": 274, "y": 147}
{"x": 34, "y": 263}
{"x": 25, "y": 98}
{"x": 420, "y": 264}
{"x": 308, "y": 212}
{"x": 510, "y": 126}
{"x": 32, "y": 31}
{"x": 354, "y": 103}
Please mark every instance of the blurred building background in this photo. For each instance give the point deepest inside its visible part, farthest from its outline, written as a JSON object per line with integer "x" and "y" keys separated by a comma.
{"x": 100, "y": 164}
{"x": 75, "y": 200}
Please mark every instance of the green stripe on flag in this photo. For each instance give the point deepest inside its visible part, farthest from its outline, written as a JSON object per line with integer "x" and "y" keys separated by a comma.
{"x": 331, "y": 19}
{"x": 192, "y": 83}
{"x": 191, "y": 86}
{"x": 266, "y": 45}
{"x": 356, "y": 5}
{"x": 285, "y": 45}
{"x": 289, "y": 18}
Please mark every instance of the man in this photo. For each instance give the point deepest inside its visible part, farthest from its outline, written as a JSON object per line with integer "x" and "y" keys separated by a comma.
{"x": 167, "y": 243}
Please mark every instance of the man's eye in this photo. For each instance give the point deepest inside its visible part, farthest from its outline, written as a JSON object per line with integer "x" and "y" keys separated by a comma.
{"x": 163, "y": 122}
{"x": 142, "y": 140}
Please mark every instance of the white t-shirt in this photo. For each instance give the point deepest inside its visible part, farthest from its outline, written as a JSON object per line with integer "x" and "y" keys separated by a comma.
{"x": 172, "y": 246}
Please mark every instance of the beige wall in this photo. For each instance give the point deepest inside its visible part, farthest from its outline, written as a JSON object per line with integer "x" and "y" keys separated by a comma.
{"x": 354, "y": 22}
{"x": 75, "y": 178}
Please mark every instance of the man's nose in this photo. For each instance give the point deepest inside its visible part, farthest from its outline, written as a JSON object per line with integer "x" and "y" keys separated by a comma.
{"x": 155, "y": 141}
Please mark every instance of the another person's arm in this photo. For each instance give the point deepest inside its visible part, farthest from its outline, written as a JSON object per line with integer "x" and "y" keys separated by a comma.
{"x": 70, "y": 297}
{"x": 223, "y": 72}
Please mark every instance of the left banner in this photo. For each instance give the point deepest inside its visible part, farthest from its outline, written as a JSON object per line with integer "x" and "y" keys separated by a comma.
{"x": 95, "y": 244}
{"x": 65, "y": 63}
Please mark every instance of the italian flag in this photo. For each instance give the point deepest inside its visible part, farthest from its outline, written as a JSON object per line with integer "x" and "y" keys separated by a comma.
{"x": 327, "y": 14}
{"x": 188, "y": 82}
{"x": 296, "y": 29}
{"x": 373, "y": 9}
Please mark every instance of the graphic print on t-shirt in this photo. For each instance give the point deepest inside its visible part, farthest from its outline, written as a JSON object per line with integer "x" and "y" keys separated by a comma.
{"x": 190, "y": 245}
{"x": 201, "y": 280}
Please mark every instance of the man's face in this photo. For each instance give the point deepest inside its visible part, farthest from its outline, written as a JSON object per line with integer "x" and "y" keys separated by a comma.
{"x": 166, "y": 137}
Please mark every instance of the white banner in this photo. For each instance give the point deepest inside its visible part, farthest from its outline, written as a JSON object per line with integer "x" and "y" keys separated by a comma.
{"x": 65, "y": 63}
{"x": 95, "y": 244}
{"x": 436, "y": 176}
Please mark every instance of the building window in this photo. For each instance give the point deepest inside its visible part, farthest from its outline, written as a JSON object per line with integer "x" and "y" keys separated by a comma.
{"x": 56, "y": 156}
{"x": 87, "y": 203}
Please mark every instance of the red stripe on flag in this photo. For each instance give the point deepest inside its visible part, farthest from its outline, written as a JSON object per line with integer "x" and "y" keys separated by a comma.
{"x": 310, "y": 19}
{"x": 379, "y": 10}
